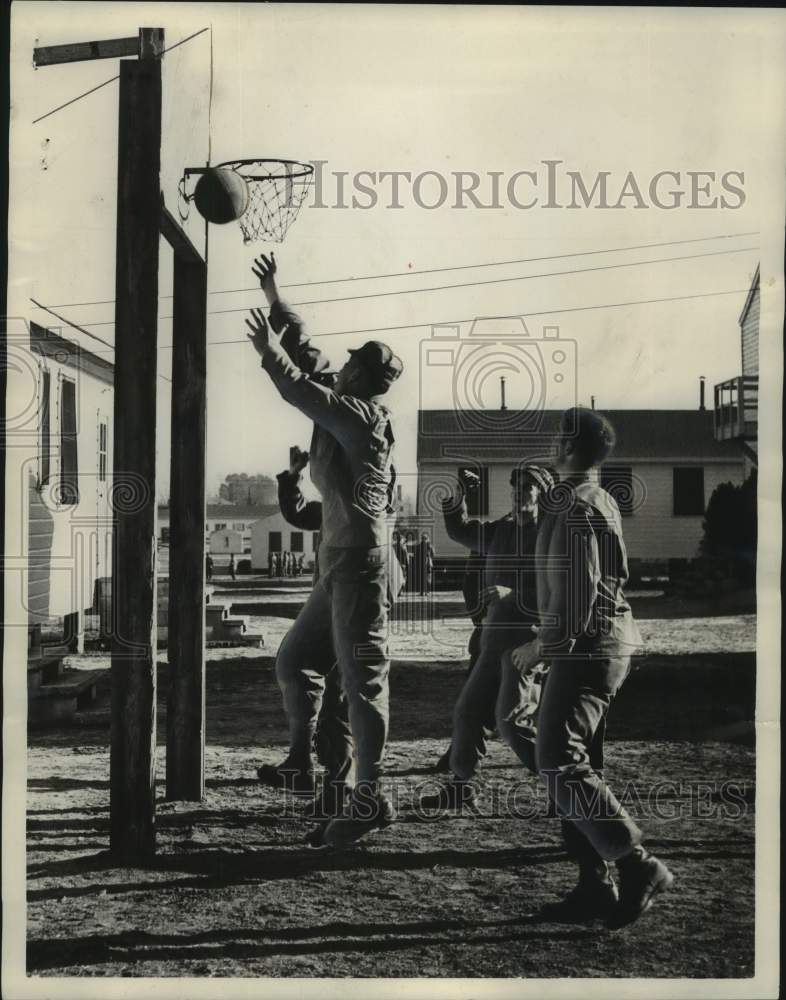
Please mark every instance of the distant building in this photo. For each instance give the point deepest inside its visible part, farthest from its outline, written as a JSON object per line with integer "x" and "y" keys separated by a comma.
{"x": 222, "y": 517}
{"x": 225, "y": 541}
{"x": 274, "y": 534}
{"x": 663, "y": 471}
{"x": 737, "y": 399}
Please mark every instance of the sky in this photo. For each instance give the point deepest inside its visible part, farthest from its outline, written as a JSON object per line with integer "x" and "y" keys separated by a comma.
{"x": 423, "y": 89}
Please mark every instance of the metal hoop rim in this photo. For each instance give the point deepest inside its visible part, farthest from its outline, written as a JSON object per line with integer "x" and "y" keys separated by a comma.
{"x": 307, "y": 169}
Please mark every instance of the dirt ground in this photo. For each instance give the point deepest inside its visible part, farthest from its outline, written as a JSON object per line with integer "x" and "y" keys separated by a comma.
{"x": 234, "y": 892}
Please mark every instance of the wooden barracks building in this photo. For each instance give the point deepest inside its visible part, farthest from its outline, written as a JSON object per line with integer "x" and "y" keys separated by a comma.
{"x": 663, "y": 471}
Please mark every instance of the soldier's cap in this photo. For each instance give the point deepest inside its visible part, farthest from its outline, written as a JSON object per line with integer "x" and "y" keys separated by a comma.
{"x": 378, "y": 359}
{"x": 539, "y": 474}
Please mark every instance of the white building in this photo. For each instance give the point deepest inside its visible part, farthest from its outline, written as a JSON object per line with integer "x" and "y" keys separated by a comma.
{"x": 274, "y": 534}
{"x": 662, "y": 473}
{"x": 69, "y": 516}
{"x": 222, "y": 517}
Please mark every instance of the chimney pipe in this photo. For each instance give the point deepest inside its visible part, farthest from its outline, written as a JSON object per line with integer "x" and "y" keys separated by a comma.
{"x": 701, "y": 393}
{"x": 502, "y": 392}
{"x": 592, "y": 402}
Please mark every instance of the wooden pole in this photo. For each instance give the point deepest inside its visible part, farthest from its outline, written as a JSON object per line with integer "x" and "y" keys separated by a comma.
{"x": 133, "y": 739}
{"x": 185, "y": 750}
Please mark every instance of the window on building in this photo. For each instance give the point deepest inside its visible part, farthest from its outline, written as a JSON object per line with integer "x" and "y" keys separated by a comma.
{"x": 689, "y": 491}
{"x": 69, "y": 471}
{"x": 618, "y": 481}
{"x": 296, "y": 541}
{"x": 220, "y": 527}
{"x": 103, "y": 434}
{"x": 238, "y": 525}
{"x": 165, "y": 534}
{"x": 45, "y": 428}
{"x": 274, "y": 541}
{"x": 314, "y": 541}
{"x": 477, "y": 498}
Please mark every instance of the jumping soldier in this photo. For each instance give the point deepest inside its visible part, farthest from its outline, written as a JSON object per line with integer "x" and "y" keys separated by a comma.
{"x": 351, "y": 466}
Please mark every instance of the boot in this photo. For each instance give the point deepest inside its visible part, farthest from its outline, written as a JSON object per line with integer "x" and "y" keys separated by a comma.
{"x": 595, "y": 896}
{"x": 642, "y": 877}
{"x": 287, "y": 777}
{"x": 367, "y": 810}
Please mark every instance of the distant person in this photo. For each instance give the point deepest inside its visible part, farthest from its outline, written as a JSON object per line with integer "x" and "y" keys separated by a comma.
{"x": 400, "y": 548}
{"x": 232, "y": 566}
{"x": 425, "y": 563}
{"x": 208, "y": 567}
{"x": 411, "y": 545}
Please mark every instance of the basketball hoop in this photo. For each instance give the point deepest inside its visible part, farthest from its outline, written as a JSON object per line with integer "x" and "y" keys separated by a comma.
{"x": 276, "y": 192}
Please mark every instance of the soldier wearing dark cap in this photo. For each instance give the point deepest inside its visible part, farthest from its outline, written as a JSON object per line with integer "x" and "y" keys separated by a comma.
{"x": 587, "y": 636}
{"x": 494, "y": 688}
{"x": 351, "y": 466}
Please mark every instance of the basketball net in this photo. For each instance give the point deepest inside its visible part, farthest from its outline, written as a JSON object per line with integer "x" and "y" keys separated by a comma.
{"x": 277, "y": 190}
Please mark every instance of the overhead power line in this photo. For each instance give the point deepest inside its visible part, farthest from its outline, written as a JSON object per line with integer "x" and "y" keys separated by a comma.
{"x": 466, "y": 319}
{"x": 472, "y": 284}
{"x": 74, "y": 326}
{"x": 442, "y": 270}
{"x": 470, "y": 319}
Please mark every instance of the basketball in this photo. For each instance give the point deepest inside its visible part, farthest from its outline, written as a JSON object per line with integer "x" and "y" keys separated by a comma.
{"x": 221, "y": 196}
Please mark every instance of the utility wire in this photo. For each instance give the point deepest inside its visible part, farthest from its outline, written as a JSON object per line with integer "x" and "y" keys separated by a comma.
{"x": 74, "y": 326}
{"x": 440, "y": 270}
{"x": 470, "y": 319}
{"x": 473, "y": 284}
{"x": 111, "y": 80}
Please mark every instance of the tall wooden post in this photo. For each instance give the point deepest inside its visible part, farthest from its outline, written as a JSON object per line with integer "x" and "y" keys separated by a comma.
{"x": 133, "y": 742}
{"x": 185, "y": 743}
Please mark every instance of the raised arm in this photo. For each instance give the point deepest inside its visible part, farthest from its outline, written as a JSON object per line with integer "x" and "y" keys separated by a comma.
{"x": 472, "y": 533}
{"x": 347, "y": 418}
{"x": 294, "y": 340}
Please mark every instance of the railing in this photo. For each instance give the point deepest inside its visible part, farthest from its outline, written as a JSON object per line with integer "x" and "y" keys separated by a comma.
{"x": 736, "y": 408}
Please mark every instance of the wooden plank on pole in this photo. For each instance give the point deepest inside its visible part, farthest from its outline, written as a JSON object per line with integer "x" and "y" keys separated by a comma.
{"x": 133, "y": 735}
{"x": 110, "y": 48}
{"x": 185, "y": 751}
{"x": 177, "y": 238}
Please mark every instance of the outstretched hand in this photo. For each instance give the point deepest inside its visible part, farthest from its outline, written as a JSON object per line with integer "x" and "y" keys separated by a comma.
{"x": 299, "y": 459}
{"x": 262, "y": 335}
{"x": 265, "y": 268}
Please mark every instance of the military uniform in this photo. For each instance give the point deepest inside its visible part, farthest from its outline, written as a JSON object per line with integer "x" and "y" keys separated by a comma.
{"x": 350, "y": 461}
{"x": 588, "y": 635}
{"x": 494, "y": 688}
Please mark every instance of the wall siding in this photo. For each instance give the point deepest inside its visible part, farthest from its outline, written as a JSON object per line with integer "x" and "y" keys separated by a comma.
{"x": 750, "y": 337}
{"x": 651, "y": 532}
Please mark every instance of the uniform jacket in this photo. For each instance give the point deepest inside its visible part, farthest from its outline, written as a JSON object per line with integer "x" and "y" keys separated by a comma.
{"x": 351, "y": 449}
{"x": 504, "y": 548}
{"x": 307, "y": 515}
{"x": 582, "y": 569}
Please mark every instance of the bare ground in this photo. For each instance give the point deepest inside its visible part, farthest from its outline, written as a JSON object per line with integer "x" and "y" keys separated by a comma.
{"x": 234, "y": 892}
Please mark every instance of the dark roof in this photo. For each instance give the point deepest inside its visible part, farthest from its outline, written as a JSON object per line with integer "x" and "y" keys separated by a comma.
{"x": 47, "y": 343}
{"x": 232, "y": 512}
{"x": 641, "y": 434}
